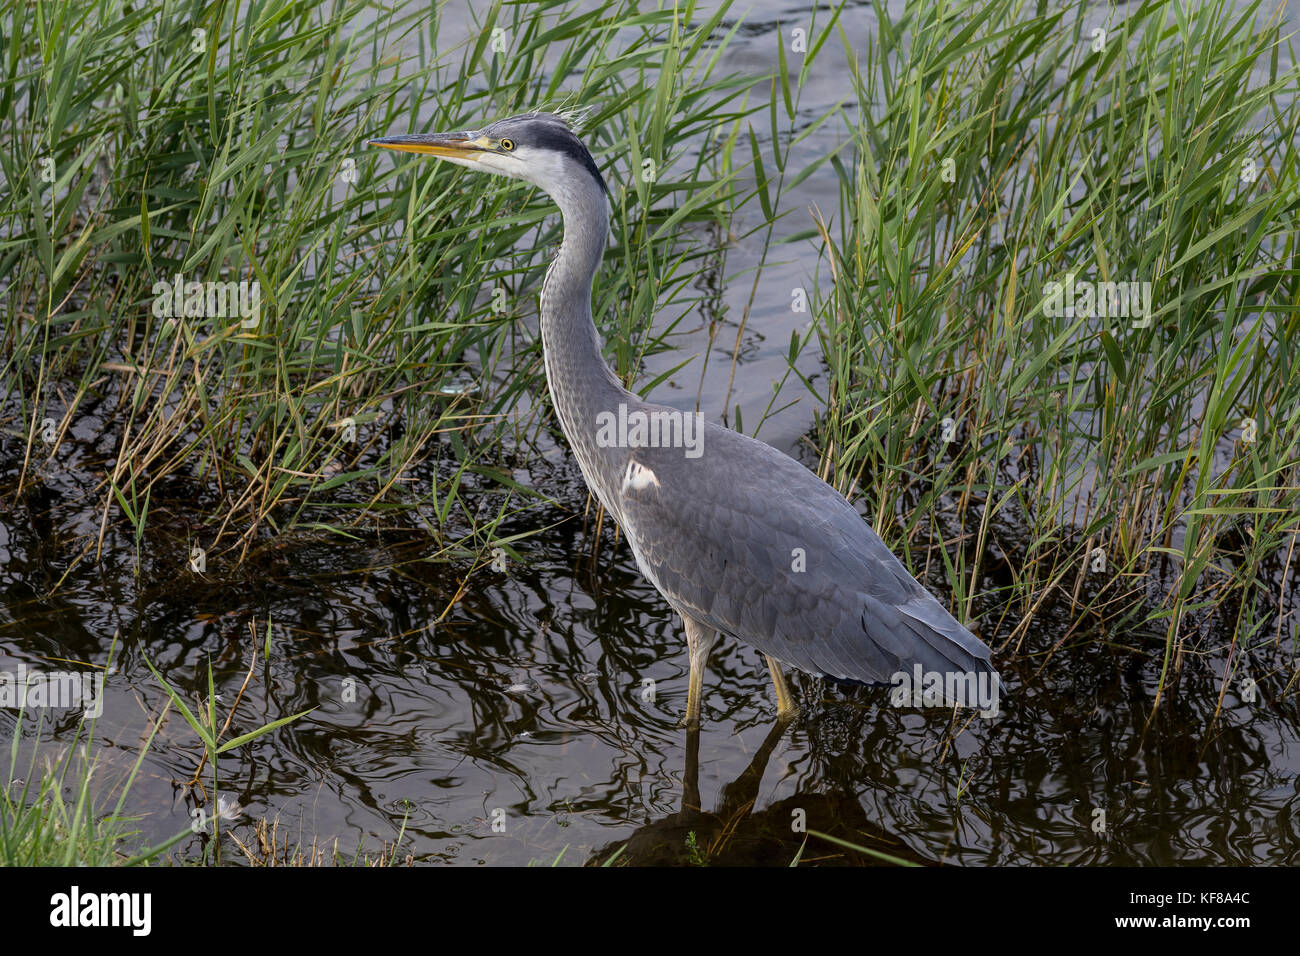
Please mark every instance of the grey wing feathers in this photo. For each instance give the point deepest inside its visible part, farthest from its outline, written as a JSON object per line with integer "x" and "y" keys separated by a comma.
{"x": 748, "y": 541}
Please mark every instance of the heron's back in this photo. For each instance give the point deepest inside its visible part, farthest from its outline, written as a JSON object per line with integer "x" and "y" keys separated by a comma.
{"x": 748, "y": 541}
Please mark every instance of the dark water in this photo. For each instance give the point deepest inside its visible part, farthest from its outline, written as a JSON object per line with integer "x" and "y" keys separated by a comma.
{"x": 507, "y": 719}
{"x": 522, "y": 703}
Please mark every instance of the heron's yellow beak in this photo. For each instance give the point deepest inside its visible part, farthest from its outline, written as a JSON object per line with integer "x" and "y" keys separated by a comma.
{"x": 455, "y": 145}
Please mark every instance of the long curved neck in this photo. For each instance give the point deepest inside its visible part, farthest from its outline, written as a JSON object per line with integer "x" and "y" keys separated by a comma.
{"x": 580, "y": 382}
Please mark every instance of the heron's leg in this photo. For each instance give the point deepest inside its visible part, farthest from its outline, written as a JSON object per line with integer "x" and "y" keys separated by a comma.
{"x": 785, "y": 707}
{"x": 699, "y": 641}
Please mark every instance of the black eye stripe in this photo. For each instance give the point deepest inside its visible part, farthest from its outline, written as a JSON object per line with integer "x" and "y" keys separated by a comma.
{"x": 551, "y": 136}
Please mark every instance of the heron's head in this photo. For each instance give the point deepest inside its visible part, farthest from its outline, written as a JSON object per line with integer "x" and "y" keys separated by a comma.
{"x": 540, "y": 148}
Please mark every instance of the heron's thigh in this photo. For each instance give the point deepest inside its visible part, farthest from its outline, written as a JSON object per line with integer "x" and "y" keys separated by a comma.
{"x": 700, "y": 638}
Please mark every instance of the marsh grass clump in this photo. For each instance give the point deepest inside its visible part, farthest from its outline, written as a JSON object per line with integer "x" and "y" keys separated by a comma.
{"x": 1063, "y": 331}
{"x": 62, "y": 805}
{"x": 240, "y": 321}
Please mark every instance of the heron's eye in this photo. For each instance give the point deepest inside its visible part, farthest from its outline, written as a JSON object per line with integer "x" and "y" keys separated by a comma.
{"x": 507, "y": 144}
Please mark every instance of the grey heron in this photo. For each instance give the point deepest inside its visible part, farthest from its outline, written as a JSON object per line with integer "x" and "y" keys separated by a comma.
{"x": 740, "y": 539}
